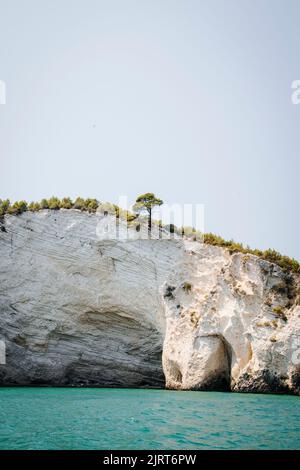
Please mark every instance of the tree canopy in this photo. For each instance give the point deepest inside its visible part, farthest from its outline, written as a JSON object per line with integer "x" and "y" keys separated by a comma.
{"x": 146, "y": 202}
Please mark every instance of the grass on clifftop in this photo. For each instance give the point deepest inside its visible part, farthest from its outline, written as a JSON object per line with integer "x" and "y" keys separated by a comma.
{"x": 91, "y": 205}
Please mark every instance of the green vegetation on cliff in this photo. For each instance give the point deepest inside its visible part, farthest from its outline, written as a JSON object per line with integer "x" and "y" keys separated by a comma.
{"x": 286, "y": 263}
{"x": 91, "y": 206}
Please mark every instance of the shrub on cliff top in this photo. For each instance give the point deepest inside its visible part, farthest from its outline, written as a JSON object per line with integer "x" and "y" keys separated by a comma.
{"x": 44, "y": 204}
{"x": 91, "y": 205}
{"x": 66, "y": 203}
{"x": 34, "y": 207}
{"x": 17, "y": 208}
{"x": 54, "y": 203}
{"x": 189, "y": 232}
{"x": 4, "y": 205}
{"x": 79, "y": 203}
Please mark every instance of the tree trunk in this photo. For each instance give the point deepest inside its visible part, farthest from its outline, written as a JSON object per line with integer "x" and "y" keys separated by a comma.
{"x": 149, "y": 222}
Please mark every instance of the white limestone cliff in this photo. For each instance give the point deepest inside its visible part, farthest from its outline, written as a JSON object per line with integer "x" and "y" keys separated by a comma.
{"x": 79, "y": 308}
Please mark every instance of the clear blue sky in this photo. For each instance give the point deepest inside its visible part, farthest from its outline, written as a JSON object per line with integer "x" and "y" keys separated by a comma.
{"x": 189, "y": 99}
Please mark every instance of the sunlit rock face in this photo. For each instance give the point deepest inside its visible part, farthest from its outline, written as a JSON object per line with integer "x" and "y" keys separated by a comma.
{"x": 78, "y": 307}
{"x": 221, "y": 328}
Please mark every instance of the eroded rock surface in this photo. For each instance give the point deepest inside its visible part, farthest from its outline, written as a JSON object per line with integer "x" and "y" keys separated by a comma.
{"x": 78, "y": 309}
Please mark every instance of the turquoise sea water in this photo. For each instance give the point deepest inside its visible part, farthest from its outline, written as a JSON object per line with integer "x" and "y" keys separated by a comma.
{"x": 70, "y": 418}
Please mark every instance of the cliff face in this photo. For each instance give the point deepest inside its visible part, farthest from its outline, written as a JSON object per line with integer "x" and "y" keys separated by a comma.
{"x": 79, "y": 309}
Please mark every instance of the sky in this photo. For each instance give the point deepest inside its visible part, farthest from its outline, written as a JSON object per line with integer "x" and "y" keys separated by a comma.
{"x": 189, "y": 99}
